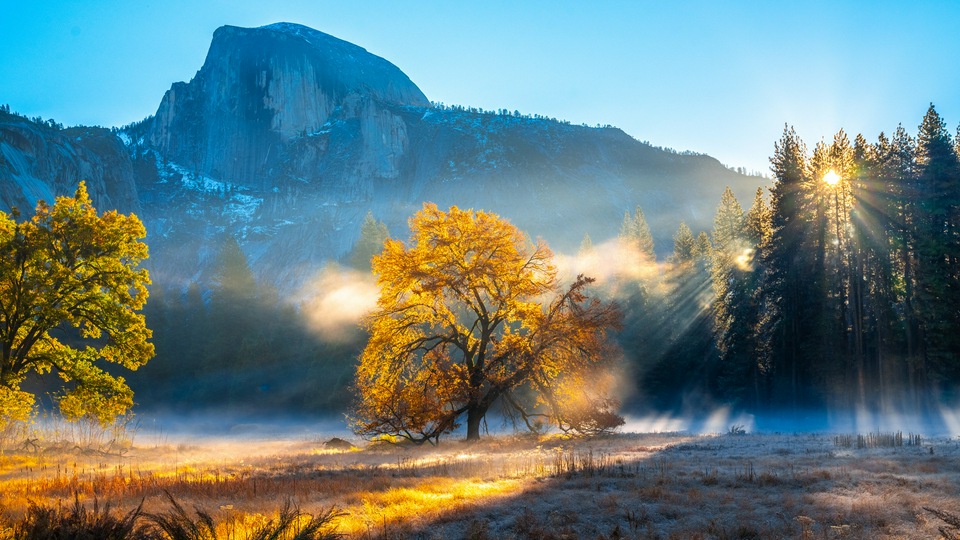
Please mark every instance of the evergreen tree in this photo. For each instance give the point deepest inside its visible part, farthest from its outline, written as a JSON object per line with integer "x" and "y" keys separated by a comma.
{"x": 703, "y": 248}
{"x": 729, "y": 225}
{"x": 733, "y": 307}
{"x": 373, "y": 234}
{"x": 936, "y": 224}
{"x": 635, "y": 233}
{"x": 842, "y": 324}
{"x": 789, "y": 300}
{"x": 843, "y": 291}
{"x": 684, "y": 245}
{"x": 236, "y": 343}
{"x": 824, "y": 285}
{"x": 586, "y": 246}
{"x": 683, "y": 361}
{"x": 759, "y": 233}
{"x": 196, "y": 322}
{"x": 758, "y": 225}
{"x": 884, "y": 228}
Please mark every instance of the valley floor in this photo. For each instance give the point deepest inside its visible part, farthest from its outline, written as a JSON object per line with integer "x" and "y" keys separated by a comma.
{"x": 621, "y": 486}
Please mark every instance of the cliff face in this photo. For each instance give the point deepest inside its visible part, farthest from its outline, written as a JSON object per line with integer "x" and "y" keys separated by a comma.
{"x": 38, "y": 162}
{"x": 287, "y": 137}
{"x": 259, "y": 88}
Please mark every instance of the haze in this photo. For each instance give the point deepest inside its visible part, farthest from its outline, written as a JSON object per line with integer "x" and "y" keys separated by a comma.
{"x": 717, "y": 78}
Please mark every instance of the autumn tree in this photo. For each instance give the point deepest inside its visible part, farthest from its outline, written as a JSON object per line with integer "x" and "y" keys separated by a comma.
{"x": 71, "y": 288}
{"x": 471, "y": 315}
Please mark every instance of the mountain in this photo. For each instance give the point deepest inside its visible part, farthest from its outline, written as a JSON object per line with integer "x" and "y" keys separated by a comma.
{"x": 39, "y": 161}
{"x": 287, "y": 137}
{"x": 260, "y": 89}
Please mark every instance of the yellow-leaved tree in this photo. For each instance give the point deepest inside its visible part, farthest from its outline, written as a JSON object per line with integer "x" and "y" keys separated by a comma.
{"x": 471, "y": 315}
{"x": 71, "y": 291}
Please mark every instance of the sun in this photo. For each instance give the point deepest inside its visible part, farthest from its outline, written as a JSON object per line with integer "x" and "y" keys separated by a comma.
{"x": 831, "y": 177}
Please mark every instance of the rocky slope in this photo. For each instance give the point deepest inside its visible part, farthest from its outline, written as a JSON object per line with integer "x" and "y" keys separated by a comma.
{"x": 39, "y": 161}
{"x": 287, "y": 137}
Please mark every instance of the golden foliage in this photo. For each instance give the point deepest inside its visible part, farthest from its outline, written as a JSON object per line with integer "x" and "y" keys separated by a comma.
{"x": 71, "y": 270}
{"x": 461, "y": 323}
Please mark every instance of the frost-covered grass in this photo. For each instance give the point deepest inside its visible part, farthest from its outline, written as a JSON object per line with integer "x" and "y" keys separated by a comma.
{"x": 622, "y": 486}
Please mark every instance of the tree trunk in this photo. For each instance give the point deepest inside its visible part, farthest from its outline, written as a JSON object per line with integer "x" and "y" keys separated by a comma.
{"x": 474, "y": 415}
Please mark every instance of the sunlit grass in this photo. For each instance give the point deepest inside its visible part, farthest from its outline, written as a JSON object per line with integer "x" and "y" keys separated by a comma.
{"x": 668, "y": 485}
{"x": 427, "y": 500}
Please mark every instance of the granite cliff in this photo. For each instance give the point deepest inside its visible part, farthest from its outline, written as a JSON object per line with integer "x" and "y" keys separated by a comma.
{"x": 261, "y": 88}
{"x": 286, "y": 137}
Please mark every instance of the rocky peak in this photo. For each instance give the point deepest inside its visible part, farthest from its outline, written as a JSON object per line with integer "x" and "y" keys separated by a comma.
{"x": 338, "y": 67}
{"x": 261, "y": 87}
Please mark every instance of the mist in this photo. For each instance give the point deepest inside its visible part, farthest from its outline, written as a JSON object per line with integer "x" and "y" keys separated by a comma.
{"x": 667, "y": 371}
{"x": 612, "y": 263}
{"x": 335, "y": 300}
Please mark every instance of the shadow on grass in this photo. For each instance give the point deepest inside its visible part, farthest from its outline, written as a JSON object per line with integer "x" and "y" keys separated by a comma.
{"x": 624, "y": 486}
{"x": 724, "y": 487}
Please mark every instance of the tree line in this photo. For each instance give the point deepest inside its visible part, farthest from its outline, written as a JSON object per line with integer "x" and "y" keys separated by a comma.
{"x": 237, "y": 346}
{"x": 842, "y": 289}
{"x": 839, "y": 287}
{"x": 836, "y": 287}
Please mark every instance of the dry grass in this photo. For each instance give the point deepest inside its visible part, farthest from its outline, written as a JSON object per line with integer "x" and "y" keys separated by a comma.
{"x": 626, "y": 486}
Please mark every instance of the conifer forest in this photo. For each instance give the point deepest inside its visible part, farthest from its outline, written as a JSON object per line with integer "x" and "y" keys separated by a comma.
{"x": 836, "y": 287}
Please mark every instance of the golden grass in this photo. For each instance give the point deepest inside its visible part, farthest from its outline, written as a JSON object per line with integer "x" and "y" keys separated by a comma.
{"x": 626, "y": 486}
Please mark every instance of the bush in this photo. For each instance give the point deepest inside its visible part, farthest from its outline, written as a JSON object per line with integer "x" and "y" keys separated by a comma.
{"x": 78, "y": 523}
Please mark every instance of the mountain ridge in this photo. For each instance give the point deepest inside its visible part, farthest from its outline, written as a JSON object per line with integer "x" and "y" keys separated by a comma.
{"x": 286, "y": 137}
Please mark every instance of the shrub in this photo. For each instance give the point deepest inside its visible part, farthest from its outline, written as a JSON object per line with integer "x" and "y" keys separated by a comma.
{"x": 78, "y": 523}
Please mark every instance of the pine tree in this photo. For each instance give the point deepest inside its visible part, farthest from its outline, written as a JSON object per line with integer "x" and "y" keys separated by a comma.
{"x": 627, "y": 230}
{"x": 683, "y": 245}
{"x": 635, "y": 233}
{"x": 683, "y": 357}
{"x": 936, "y": 224}
{"x": 898, "y": 177}
{"x": 738, "y": 273}
{"x": 843, "y": 333}
{"x": 759, "y": 232}
{"x": 733, "y": 306}
{"x": 729, "y": 224}
{"x": 586, "y": 246}
{"x": 877, "y": 299}
{"x": 788, "y": 297}
{"x": 236, "y": 339}
{"x": 758, "y": 224}
{"x": 373, "y": 234}
{"x": 703, "y": 248}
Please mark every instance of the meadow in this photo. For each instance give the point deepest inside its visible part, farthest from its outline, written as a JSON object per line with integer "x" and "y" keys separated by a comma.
{"x": 658, "y": 485}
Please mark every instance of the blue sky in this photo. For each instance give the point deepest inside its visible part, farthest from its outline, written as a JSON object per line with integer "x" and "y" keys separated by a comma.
{"x": 719, "y": 77}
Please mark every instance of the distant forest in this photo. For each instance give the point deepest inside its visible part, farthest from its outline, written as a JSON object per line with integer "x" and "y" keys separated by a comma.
{"x": 838, "y": 287}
